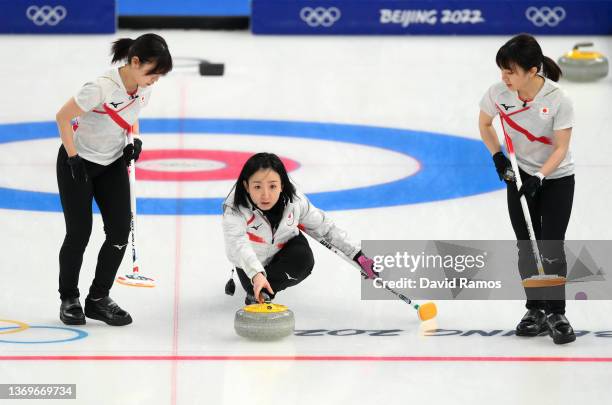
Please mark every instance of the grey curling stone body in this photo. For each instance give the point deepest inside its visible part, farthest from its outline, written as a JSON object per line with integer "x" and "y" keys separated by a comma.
{"x": 583, "y": 70}
{"x": 582, "y": 66}
{"x": 264, "y": 325}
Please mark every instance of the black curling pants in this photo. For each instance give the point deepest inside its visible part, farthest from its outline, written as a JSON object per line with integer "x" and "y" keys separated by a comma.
{"x": 550, "y": 212}
{"x": 110, "y": 187}
{"x": 290, "y": 266}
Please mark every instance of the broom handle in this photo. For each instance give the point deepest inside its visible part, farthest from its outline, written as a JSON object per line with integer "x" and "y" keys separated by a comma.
{"x": 338, "y": 252}
{"x": 132, "y": 178}
{"x": 524, "y": 206}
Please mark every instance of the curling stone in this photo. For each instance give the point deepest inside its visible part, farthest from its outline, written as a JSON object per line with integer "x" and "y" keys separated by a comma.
{"x": 265, "y": 321}
{"x": 583, "y": 66}
{"x": 211, "y": 69}
{"x": 205, "y": 68}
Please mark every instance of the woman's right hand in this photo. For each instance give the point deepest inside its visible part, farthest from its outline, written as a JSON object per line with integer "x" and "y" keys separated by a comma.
{"x": 64, "y": 118}
{"x": 504, "y": 168}
{"x": 77, "y": 169}
{"x": 259, "y": 283}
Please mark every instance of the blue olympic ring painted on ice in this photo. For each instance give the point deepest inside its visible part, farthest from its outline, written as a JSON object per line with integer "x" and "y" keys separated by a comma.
{"x": 80, "y": 334}
{"x": 451, "y": 166}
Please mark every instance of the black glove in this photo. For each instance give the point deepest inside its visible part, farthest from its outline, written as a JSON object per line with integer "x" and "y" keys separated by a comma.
{"x": 77, "y": 169}
{"x": 530, "y": 187}
{"x": 132, "y": 151}
{"x": 504, "y": 168}
{"x": 230, "y": 286}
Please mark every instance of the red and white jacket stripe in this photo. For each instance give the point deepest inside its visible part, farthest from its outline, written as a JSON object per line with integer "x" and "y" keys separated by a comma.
{"x": 250, "y": 243}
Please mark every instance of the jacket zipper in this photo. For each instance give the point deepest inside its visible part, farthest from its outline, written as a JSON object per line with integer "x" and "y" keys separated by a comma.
{"x": 268, "y": 222}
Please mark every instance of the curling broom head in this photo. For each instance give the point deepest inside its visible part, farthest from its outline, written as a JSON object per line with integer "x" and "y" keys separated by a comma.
{"x": 427, "y": 311}
{"x": 135, "y": 279}
{"x": 543, "y": 281}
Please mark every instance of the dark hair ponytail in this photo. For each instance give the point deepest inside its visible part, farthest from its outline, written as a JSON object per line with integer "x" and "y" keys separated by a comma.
{"x": 149, "y": 48}
{"x": 523, "y": 50}
{"x": 121, "y": 48}
{"x": 550, "y": 69}
{"x": 256, "y": 162}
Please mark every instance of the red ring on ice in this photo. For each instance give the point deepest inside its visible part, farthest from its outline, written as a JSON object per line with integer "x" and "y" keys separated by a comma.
{"x": 232, "y": 164}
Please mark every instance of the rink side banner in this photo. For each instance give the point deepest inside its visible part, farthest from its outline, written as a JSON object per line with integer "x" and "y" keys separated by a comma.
{"x": 57, "y": 17}
{"x": 193, "y": 8}
{"x": 487, "y": 270}
{"x": 432, "y": 17}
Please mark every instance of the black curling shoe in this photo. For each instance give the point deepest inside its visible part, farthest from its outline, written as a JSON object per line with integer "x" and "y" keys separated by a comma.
{"x": 560, "y": 329}
{"x": 532, "y": 324}
{"x": 107, "y": 311}
{"x": 71, "y": 312}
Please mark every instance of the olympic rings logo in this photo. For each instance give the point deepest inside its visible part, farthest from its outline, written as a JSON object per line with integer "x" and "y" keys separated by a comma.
{"x": 545, "y": 16}
{"x": 22, "y": 326}
{"x": 46, "y": 14}
{"x": 320, "y": 16}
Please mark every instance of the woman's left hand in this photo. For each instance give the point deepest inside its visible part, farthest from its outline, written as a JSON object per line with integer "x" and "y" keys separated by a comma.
{"x": 530, "y": 187}
{"x": 367, "y": 266}
{"x": 259, "y": 283}
{"x": 132, "y": 151}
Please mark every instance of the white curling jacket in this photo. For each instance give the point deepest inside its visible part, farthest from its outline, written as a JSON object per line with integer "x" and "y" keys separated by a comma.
{"x": 250, "y": 243}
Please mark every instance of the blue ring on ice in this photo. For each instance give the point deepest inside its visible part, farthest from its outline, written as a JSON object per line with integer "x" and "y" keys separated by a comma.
{"x": 451, "y": 166}
{"x": 80, "y": 334}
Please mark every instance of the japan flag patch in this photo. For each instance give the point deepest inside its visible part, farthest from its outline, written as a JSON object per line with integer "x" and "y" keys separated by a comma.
{"x": 290, "y": 219}
{"x": 544, "y": 113}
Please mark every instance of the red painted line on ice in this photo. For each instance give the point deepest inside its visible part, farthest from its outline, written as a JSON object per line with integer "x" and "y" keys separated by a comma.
{"x": 317, "y": 358}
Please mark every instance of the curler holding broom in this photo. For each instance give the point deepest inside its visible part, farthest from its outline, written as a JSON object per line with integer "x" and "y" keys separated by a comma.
{"x": 537, "y": 119}
{"x": 91, "y": 164}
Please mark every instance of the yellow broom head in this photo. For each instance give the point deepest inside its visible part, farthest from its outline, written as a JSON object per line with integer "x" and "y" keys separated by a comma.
{"x": 540, "y": 281}
{"x": 427, "y": 311}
